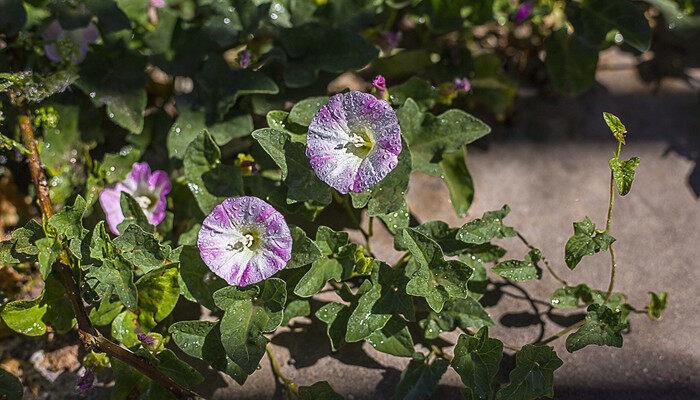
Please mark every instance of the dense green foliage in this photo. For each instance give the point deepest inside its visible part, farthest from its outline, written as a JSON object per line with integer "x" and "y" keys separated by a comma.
{"x": 204, "y": 89}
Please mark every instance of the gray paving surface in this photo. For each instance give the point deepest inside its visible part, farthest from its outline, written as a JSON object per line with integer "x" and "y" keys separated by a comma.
{"x": 550, "y": 166}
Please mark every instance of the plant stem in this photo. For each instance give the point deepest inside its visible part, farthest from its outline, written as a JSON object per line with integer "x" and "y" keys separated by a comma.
{"x": 613, "y": 269}
{"x": 348, "y": 209}
{"x": 289, "y": 384}
{"x": 608, "y": 225}
{"x": 562, "y": 332}
{"x": 89, "y": 336}
{"x": 544, "y": 260}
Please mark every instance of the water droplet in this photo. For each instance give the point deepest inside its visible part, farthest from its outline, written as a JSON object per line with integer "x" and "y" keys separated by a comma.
{"x": 227, "y": 21}
{"x": 92, "y": 95}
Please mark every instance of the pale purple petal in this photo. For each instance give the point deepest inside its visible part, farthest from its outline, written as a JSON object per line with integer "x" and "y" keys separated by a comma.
{"x": 52, "y": 52}
{"x": 244, "y": 240}
{"x": 109, "y": 200}
{"x": 462, "y": 84}
{"x": 353, "y": 141}
{"x": 149, "y": 189}
{"x": 52, "y": 32}
{"x": 157, "y": 3}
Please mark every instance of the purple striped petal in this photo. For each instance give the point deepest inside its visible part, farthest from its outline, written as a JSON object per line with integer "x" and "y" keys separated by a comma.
{"x": 244, "y": 240}
{"x": 149, "y": 189}
{"x": 353, "y": 141}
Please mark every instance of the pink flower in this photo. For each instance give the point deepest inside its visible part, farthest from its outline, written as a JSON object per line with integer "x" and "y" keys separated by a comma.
{"x": 462, "y": 84}
{"x": 379, "y": 84}
{"x": 354, "y": 141}
{"x": 524, "y": 11}
{"x": 73, "y": 44}
{"x": 244, "y": 240}
{"x": 244, "y": 59}
{"x": 149, "y": 189}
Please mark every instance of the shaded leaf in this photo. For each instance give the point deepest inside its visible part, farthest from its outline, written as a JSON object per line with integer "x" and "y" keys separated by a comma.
{"x": 489, "y": 226}
{"x": 586, "y": 241}
{"x": 419, "y": 378}
{"x": 623, "y": 173}
{"x": 517, "y": 270}
{"x": 533, "y": 374}
{"x": 603, "y": 327}
{"x": 476, "y": 360}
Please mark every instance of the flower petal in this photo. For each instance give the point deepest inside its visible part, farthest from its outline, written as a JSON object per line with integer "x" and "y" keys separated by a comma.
{"x": 109, "y": 200}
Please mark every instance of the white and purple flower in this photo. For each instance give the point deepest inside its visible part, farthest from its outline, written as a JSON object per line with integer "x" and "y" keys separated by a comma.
{"x": 244, "y": 240}
{"x": 69, "y": 45}
{"x": 523, "y": 12}
{"x": 354, "y": 141}
{"x": 149, "y": 189}
{"x": 462, "y": 84}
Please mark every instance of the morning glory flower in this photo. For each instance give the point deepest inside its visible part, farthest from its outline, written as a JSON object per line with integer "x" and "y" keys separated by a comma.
{"x": 523, "y": 12}
{"x": 149, "y": 189}
{"x": 379, "y": 85}
{"x": 244, "y": 240}
{"x": 354, "y": 141}
{"x": 244, "y": 58}
{"x": 72, "y": 45}
{"x": 462, "y": 84}
{"x": 86, "y": 380}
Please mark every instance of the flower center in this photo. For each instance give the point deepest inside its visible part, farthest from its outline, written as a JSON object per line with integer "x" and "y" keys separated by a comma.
{"x": 249, "y": 241}
{"x": 144, "y": 201}
{"x": 361, "y": 143}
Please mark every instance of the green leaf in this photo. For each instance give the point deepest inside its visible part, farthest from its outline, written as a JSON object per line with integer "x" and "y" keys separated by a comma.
{"x": 312, "y": 48}
{"x": 657, "y": 305}
{"x": 202, "y": 339}
{"x": 517, "y": 270}
{"x": 385, "y": 298}
{"x": 117, "y": 275}
{"x": 616, "y": 126}
{"x": 623, "y": 173}
{"x": 197, "y": 282}
{"x": 318, "y": 391}
{"x": 290, "y": 157}
{"x": 603, "y": 327}
{"x": 10, "y": 386}
{"x": 533, "y": 374}
{"x": 571, "y": 64}
{"x": 296, "y": 307}
{"x": 190, "y": 123}
{"x": 430, "y": 275}
{"x": 446, "y": 237}
{"x": 120, "y": 89}
{"x": 25, "y": 237}
{"x": 593, "y": 19}
{"x": 586, "y": 241}
{"x": 419, "y": 90}
{"x": 158, "y": 292}
{"x": 393, "y": 338}
{"x": 158, "y": 40}
{"x": 419, "y": 379}
{"x": 573, "y": 296}
{"x": 69, "y": 222}
{"x": 476, "y": 360}
{"x": 141, "y": 249}
{"x": 30, "y": 317}
{"x": 248, "y": 313}
{"x": 127, "y": 381}
{"x": 178, "y": 370}
{"x": 315, "y": 278}
{"x": 106, "y": 311}
{"x": 429, "y": 136}
{"x": 336, "y": 315}
{"x": 304, "y": 111}
{"x": 115, "y": 166}
{"x": 133, "y": 214}
{"x": 461, "y": 313}
{"x": 219, "y": 86}
{"x": 49, "y": 250}
{"x": 125, "y": 328}
{"x": 489, "y": 226}
{"x": 210, "y": 181}
{"x": 396, "y": 221}
{"x": 304, "y": 250}
{"x": 458, "y": 180}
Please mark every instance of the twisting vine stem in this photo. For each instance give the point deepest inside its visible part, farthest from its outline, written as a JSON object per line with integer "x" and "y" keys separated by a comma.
{"x": 544, "y": 260}
{"x": 608, "y": 225}
{"x": 289, "y": 384}
{"x": 89, "y": 336}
